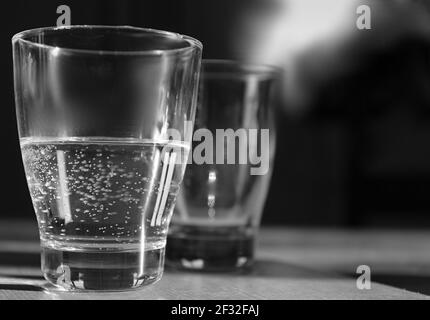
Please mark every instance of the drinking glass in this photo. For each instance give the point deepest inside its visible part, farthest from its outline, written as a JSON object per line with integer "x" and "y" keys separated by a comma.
{"x": 95, "y": 106}
{"x": 220, "y": 205}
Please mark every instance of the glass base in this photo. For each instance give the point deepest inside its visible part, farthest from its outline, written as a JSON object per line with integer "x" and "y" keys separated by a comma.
{"x": 102, "y": 271}
{"x": 210, "y": 249}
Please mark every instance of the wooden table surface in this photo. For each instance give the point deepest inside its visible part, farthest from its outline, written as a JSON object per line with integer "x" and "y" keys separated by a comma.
{"x": 291, "y": 264}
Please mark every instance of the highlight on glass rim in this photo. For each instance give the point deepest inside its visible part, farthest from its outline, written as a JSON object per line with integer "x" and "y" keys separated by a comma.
{"x": 228, "y": 154}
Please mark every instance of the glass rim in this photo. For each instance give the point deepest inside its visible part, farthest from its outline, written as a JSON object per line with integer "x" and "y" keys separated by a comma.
{"x": 219, "y": 68}
{"x": 192, "y": 42}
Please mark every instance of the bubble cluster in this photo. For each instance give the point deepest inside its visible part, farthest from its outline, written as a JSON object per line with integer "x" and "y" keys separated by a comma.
{"x": 97, "y": 190}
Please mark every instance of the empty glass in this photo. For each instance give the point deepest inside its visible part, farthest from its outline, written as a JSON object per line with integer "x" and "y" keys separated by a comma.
{"x": 220, "y": 205}
{"x": 95, "y": 108}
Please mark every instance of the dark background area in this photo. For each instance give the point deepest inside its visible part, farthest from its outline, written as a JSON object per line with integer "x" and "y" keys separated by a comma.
{"x": 359, "y": 157}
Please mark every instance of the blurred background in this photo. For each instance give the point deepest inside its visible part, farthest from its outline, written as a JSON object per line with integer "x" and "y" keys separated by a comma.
{"x": 353, "y": 109}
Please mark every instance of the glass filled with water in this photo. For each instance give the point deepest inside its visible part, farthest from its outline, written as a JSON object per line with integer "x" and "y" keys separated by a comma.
{"x": 104, "y": 118}
{"x": 220, "y": 205}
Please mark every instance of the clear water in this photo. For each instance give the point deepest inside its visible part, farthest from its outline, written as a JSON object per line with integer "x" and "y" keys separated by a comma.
{"x": 103, "y": 206}
{"x": 216, "y": 218}
{"x": 206, "y": 248}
